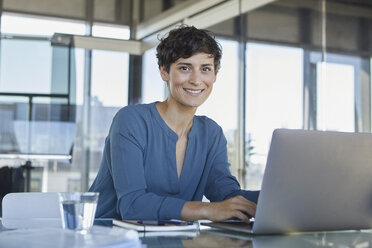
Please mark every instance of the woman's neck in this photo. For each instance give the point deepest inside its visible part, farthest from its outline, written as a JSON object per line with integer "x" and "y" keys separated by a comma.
{"x": 178, "y": 117}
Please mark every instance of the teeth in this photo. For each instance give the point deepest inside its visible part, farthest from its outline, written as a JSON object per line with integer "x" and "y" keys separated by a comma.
{"x": 193, "y": 91}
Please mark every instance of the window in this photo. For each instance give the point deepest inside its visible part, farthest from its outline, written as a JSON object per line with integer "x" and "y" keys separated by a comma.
{"x": 341, "y": 92}
{"x": 20, "y": 71}
{"x": 109, "y": 91}
{"x": 153, "y": 87}
{"x": 110, "y": 31}
{"x": 273, "y": 100}
{"x": 32, "y": 25}
{"x": 335, "y": 97}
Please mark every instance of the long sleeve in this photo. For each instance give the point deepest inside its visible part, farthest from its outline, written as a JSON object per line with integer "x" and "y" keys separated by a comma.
{"x": 221, "y": 185}
{"x": 124, "y": 153}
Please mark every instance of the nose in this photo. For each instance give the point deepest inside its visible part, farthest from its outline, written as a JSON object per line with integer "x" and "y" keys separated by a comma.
{"x": 195, "y": 78}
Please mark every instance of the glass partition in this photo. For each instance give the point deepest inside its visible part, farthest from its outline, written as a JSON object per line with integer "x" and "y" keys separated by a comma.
{"x": 37, "y": 101}
{"x": 12, "y": 109}
{"x": 39, "y": 74}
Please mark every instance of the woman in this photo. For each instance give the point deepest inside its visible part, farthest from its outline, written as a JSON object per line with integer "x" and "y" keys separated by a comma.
{"x": 159, "y": 158}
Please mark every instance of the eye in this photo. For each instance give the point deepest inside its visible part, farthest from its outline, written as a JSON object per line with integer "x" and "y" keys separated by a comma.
{"x": 207, "y": 68}
{"x": 183, "y": 68}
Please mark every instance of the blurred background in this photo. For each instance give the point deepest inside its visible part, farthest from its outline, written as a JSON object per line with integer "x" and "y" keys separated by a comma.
{"x": 66, "y": 68}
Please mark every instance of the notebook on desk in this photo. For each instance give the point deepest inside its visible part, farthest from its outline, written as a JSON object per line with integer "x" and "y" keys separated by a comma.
{"x": 157, "y": 225}
{"x": 314, "y": 181}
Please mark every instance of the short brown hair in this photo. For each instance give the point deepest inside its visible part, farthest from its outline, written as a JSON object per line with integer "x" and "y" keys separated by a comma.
{"x": 184, "y": 42}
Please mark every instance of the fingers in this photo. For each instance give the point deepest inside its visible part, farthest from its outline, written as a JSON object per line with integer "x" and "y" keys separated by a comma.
{"x": 243, "y": 205}
{"x": 240, "y": 215}
{"x": 237, "y": 207}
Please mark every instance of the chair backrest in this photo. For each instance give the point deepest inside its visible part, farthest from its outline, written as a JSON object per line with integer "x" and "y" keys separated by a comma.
{"x": 29, "y": 210}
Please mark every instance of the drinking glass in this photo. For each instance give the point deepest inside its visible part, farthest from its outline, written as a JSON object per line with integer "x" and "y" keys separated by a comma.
{"x": 78, "y": 209}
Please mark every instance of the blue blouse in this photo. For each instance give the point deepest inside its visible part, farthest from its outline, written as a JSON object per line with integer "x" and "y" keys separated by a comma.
{"x": 138, "y": 175}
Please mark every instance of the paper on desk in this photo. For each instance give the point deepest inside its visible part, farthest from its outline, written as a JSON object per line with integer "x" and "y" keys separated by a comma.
{"x": 58, "y": 238}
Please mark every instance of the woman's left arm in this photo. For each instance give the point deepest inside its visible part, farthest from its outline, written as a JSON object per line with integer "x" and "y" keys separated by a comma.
{"x": 222, "y": 189}
{"x": 221, "y": 184}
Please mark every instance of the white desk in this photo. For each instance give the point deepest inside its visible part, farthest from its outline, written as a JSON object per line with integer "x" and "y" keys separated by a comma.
{"x": 205, "y": 238}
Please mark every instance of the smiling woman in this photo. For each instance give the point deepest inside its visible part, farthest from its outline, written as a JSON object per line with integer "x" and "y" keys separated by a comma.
{"x": 160, "y": 158}
{"x": 190, "y": 80}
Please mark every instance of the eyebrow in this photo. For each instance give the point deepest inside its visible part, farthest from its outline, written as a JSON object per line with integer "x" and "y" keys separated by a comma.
{"x": 185, "y": 63}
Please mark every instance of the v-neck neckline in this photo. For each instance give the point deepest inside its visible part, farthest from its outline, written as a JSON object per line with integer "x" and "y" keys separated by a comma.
{"x": 167, "y": 129}
{"x": 174, "y": 137}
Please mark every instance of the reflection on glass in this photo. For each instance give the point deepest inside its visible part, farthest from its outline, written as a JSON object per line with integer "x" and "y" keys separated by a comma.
{"x": 46, "y": 137}
{"x": 50, "y": 130}
{"x": 335, "y": 108}
{"x": 273, "y": 100}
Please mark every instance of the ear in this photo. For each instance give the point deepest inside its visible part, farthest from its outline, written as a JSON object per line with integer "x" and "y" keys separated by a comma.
{"x": 164, "y": 74}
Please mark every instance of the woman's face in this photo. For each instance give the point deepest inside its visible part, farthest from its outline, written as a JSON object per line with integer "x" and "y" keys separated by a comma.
{"x": 190, "y": 80}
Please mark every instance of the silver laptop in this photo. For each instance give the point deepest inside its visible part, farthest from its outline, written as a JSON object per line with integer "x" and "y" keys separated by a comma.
{"x": 314, "y": 181}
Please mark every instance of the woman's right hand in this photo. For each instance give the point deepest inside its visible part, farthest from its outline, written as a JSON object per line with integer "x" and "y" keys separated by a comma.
{"x": 237, "y": 207}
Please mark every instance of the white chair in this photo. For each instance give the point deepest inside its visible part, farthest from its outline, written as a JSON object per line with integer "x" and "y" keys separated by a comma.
{"x": 31, "y": 210}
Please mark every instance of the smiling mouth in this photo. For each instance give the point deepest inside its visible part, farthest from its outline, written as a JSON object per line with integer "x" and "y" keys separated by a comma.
{"x": 194, "y": 92}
